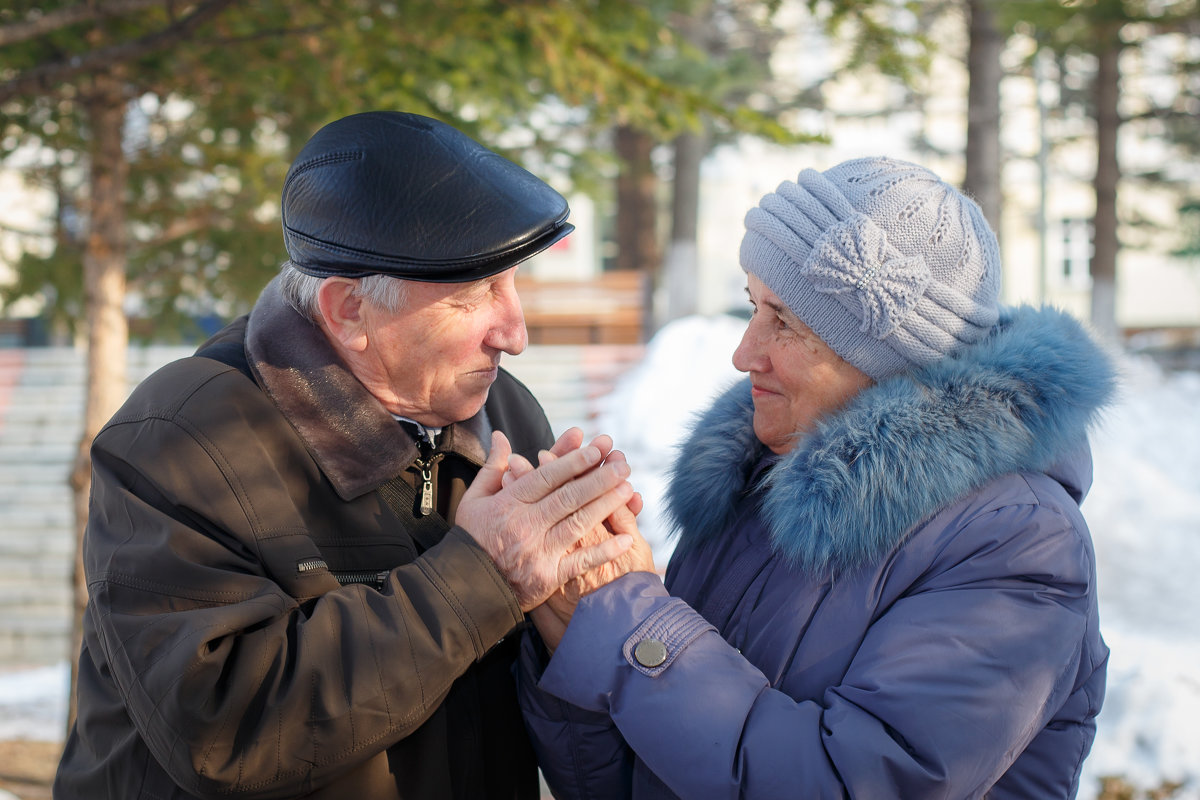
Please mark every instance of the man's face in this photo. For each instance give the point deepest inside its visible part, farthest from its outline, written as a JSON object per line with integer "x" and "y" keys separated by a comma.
{"x": 435, "y": 359}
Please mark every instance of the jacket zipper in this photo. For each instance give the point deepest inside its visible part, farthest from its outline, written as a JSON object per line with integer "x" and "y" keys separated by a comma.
{"x": 311, "y": 565}
{"x": 375, "y": 578}
{"x": 426, "y": 459}
{"x": 369, "y": 577}
{"x": 425, "y": 462}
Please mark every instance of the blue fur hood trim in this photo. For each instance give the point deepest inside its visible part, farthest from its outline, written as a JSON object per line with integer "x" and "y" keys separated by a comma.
{"x": 1020, "y": 400}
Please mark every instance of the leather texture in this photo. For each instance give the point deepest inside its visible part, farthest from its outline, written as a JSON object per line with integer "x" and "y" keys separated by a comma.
{"x": 400, "y": 194}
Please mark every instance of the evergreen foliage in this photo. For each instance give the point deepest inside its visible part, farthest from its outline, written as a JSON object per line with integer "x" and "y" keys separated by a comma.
{"x": 220, "y": 95}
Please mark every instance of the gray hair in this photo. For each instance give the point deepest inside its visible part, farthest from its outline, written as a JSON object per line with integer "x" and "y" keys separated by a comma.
{"x": 300, "y": 291}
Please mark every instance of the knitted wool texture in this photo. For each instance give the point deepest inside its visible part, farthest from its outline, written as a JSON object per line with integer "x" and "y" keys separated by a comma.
{"x": 891, "y": 266}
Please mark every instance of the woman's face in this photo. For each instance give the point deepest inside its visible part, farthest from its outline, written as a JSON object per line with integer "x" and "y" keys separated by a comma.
{"x": 796, "y": 377}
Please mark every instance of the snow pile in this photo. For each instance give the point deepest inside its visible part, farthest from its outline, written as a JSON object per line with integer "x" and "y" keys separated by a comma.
{"x": 1144, "y": 512}
{"x": 686, "y": 364}
{"x": 33, "y": 703}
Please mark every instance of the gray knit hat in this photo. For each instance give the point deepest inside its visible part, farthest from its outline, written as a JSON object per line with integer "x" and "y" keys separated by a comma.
{"x": 891, "y": 266}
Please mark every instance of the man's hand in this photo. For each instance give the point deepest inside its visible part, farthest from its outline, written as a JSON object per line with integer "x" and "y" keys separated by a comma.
{"x": 638, "y": 558}
{"x": 532, "y": 526}
{"x": 553, "y": 616}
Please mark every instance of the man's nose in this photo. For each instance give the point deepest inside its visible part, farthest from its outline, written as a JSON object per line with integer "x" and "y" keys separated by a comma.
{"x": 508, "y": 333}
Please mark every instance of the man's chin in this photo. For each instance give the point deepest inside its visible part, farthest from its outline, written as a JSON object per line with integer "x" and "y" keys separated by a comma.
{"x": 468, "y": 408}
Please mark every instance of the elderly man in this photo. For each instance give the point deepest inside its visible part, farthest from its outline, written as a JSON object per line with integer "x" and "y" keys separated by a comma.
{"x": 304, "y": 556}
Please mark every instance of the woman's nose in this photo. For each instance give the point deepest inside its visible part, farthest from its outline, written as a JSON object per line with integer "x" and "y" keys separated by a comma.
{"x": 748, "y": 357}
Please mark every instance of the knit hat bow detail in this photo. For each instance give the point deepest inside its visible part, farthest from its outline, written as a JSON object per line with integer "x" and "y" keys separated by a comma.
{"x": 854, "y": 261}
{"x": 888, "y": 264}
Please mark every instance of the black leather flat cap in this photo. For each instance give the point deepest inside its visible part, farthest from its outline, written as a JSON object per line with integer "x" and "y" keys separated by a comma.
{"x": 405, "y": 195}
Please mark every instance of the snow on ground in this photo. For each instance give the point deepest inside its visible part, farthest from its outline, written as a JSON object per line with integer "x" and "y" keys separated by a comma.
{"x": 33, "y": 703}
{"x": 1144, "y": 511}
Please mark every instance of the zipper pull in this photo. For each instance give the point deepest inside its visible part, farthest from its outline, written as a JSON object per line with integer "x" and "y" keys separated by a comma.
{"x": 426, "y": 458}
{"x": 426, "y": 487}
{"x": 424, "y": 465}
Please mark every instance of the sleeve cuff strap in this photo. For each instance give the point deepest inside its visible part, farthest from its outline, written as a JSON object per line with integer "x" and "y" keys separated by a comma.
{"x": 663, "y": 636}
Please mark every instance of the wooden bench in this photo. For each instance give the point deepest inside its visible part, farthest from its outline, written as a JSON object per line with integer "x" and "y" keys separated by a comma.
{"x": 606, "y": 309}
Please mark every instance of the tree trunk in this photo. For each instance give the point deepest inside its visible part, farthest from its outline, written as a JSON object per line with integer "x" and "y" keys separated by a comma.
{"x": 681, "y": 266}
{"x": 637, "y": 211}
{"x": 1108, "y": 173}
{"x": 982, "y": 181}
{"x": 104, "y": 286}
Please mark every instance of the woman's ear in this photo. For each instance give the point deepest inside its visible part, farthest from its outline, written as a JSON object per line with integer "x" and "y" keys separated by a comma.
{"x": 341, "y": 313}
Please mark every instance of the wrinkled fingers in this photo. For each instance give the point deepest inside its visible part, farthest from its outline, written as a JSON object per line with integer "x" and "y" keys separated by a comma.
{"x": 579, "y": 562}
{"x": 571, "y": 439}
{"x": 518, "y": 466}
{"x": 573, "y": 526}
{"x": 574, "y": 495}
{"x": 536, "y": 485}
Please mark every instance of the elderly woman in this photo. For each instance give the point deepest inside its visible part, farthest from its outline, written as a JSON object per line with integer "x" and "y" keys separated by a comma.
{"x": 883, "y": 586}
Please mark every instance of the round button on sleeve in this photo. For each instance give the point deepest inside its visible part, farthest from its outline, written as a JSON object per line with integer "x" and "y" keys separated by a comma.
{"x": 650, "y": 653}
{"x": 657, "y": 642}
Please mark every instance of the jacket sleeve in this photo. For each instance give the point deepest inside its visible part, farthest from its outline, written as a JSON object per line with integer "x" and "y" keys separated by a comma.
{"x": 947, "y": 687}
{"x": 238, "y": 688}
{"x": 581, "y": 753}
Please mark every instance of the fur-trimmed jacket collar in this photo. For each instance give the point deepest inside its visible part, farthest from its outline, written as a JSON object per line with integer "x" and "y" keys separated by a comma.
{"x": 354, "y": 439}
{"x": 1021, "y": 400}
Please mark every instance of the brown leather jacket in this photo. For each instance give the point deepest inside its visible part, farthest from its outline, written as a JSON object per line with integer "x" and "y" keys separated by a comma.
{"x": 269, "y": 618}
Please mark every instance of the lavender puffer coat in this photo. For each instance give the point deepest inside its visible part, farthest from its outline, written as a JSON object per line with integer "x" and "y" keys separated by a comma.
{"x": 903, "y": 606}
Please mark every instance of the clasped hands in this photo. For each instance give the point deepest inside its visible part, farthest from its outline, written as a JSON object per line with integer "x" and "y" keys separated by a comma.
{"x": 560, "y": 530}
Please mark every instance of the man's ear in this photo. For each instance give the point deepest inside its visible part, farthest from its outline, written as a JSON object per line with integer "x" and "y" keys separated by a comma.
{"x": 341, "y": 313}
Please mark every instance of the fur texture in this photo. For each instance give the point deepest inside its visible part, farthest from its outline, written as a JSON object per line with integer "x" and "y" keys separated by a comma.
{"x": 902, "y": 449}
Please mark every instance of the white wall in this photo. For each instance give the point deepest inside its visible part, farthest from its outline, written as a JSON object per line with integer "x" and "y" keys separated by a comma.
{"x": 572, "y": 258}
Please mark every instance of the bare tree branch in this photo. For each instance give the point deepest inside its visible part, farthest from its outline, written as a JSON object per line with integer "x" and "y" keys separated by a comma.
{"x": 265, "y": 34}
{"x": 182, "y": 227}
{"x": 40, "y": 24}
{"x": 45, "y": 78}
